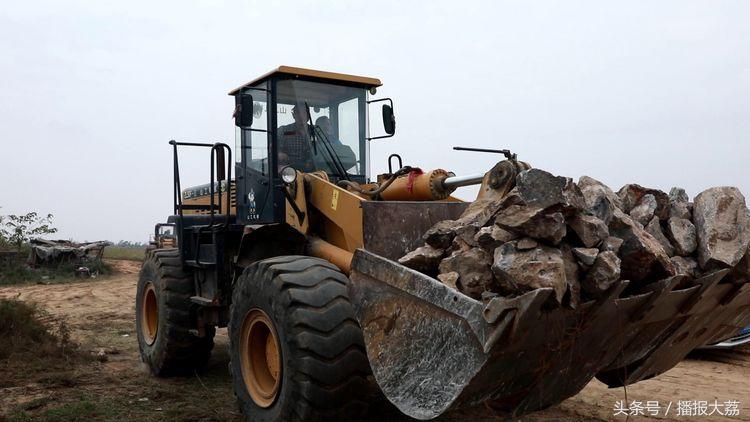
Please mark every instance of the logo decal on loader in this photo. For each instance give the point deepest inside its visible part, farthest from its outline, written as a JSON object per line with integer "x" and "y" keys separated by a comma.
{"x": 335, "y": 200}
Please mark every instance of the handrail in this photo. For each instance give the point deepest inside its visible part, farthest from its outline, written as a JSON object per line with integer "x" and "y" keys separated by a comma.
{"x": 214, "y": 183}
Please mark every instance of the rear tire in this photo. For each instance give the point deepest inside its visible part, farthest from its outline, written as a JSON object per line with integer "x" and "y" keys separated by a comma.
{"x": 163, "y": 317}
{"x": 322, "y": 370}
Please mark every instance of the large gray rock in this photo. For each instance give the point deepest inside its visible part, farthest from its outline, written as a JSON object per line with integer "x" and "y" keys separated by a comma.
{"x": 458, "y": 245}
{"x": 643, "y": 258}
{"x": 480, "y": 212}
{"x": 604, "y": 273}
{"x": 601, "y": 201}
{"x": 452, "y": 235}
{"x": 522, "y": 271}
{"x": 682, "y": 233}
{"x": 526, "y": 243}
{"x": 467, "y": 233}
{"x": 424, "y": 259}
{"x": 685, "y": 266}
{"x": 590, "y": 229}
{"x": 489, "y": 238}
{"x": 611, "y": 244}
{"x": 473, "y": 267}
{"x": 441, "y": 234}
{"x": 722, "y": 225}
{"x": 449, "y": 279}
{"x": 654, "y": 229}
{"x": 532, "y": 221}
{"x": 632, "y": 194}
{"x": 679, "y": 204}
{"x": 644, "y": 211}
{"x": 542, "y": 189}
{"x": 550, "y": 227}
{"x": 586, "y": 256}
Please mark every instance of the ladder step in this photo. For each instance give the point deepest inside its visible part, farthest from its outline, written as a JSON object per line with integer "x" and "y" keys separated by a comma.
{"x": 201, "y": 263}
{"x": 200, "y": 300}
{"x": 195, "y": 207}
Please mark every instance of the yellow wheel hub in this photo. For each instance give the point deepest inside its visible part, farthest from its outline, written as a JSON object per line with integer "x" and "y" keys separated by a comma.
{"x": 260, "y": 358}
{"x": 149, "y": 314}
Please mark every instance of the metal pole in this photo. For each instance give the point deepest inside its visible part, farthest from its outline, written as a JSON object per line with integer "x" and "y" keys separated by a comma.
{"x": 453, "y": 182}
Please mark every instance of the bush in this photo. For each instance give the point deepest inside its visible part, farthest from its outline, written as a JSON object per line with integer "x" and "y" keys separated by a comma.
{"x": 34, "y": 348}
{"x": 100, "y": 268}
{"x": 19, "y": 272}
{"x": 20, "y": 327}
{"x": 14, "y": 273}
{"x": 25, "y": 335}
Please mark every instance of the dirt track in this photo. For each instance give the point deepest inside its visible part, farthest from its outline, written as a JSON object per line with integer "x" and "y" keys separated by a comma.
{"x": 100, "y": 313}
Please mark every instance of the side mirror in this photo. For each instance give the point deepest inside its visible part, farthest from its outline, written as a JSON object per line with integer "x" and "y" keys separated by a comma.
{"x": 243, "y": 110}
{"x": 389, "y": 120}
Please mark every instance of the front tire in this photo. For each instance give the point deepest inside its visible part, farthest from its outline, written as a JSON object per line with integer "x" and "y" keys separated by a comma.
{"x": 297, "y": 352}
{"x": 163, "y": 317}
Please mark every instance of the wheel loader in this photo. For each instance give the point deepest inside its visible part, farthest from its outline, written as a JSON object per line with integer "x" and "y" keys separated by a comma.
{"x": 297, "y": 255}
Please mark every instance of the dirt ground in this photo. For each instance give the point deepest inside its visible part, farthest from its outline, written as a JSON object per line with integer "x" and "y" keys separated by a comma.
{"x": 100, "y": 315}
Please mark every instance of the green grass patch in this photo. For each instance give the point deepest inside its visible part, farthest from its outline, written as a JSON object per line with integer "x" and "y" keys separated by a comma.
{"x": 85, "y": 409}
{"x": 81, "y": 407}
{"x": 17, "y": 272}
{"x": 130, "y": 254}
{"x": 181, "y": 399}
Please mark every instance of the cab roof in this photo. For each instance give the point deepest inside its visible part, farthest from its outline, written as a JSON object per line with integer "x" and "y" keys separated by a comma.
{"x": 319, "y": 74}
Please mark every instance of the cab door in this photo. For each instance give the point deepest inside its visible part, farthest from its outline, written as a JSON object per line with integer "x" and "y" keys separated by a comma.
{"x": 253, "y": 164}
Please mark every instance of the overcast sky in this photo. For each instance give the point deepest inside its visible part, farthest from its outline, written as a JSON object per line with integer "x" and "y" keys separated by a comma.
{"x": 656, "y": 93}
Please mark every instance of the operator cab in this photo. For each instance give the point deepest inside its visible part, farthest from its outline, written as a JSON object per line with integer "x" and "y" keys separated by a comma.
{"x": 305, "y": 119}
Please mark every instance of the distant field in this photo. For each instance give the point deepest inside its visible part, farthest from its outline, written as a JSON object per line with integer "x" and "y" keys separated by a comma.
{"x": 132, "y": 254}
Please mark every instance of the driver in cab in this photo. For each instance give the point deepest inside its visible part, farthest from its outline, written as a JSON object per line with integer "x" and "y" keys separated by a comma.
{"x": 295, "y": 147}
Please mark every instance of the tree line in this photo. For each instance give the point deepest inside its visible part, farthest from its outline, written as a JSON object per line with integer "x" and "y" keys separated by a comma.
{"x": 16, "y": 230}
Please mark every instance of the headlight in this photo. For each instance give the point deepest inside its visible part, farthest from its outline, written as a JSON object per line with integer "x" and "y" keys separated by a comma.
{"x": 288, "y": 175}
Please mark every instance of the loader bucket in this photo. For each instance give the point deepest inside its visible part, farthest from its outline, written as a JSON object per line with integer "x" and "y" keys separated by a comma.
{"x": 431, "y": 348}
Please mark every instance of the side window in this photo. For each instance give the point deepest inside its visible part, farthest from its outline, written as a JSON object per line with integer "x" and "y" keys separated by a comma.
{"x": 256, "y": 143}
{"x": 348, "y": 126}
{"x": 349, "y": 123}
{"x": 237, "y": 144}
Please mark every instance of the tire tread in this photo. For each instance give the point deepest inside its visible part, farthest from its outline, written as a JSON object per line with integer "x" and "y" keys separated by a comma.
{"x": 183, "y": 352}
{"x": 330, "y": 366}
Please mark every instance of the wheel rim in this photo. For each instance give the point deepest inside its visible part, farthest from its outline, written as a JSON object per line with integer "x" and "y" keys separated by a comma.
{"x": 260, "y": 357}
{"x": 149, "y": 314}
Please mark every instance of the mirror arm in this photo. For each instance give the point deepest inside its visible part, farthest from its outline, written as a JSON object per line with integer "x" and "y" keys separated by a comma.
{"x": 381, "y": 99}
{"x": 379, "y": 137}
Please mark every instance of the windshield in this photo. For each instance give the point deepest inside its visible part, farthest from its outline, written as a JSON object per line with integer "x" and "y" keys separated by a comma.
{"x": 321, "y": 127}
